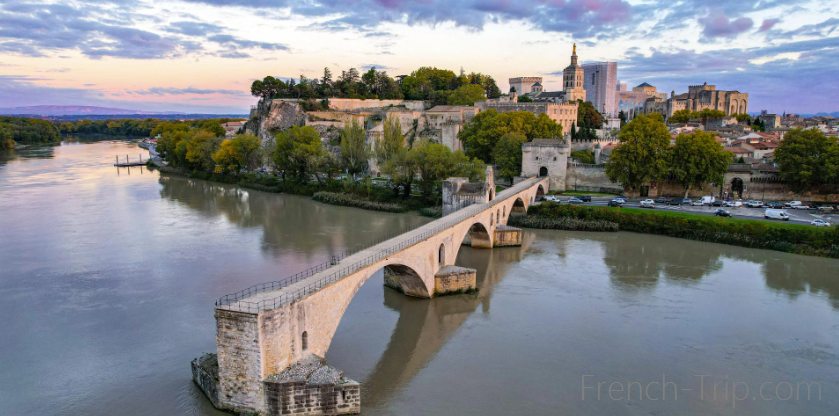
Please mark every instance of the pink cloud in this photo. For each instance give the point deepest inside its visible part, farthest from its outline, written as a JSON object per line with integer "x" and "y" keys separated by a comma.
{"x": 767, "y": 24}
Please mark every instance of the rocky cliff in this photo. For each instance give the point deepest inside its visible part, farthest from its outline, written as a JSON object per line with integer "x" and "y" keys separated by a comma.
{"x": 273, "y": 116}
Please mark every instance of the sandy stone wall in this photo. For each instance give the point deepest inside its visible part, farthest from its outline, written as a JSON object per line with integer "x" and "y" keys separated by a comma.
{"x": 346, "y": 104}
{"x": 507, "y": 236}
{"x": 309, "y": 388}
{"x": 454, "y": 279}
{"x": 240, "y": 375}
{"x": 589, "y": 178}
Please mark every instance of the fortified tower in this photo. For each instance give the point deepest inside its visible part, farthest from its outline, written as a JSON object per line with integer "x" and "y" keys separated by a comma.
{"x": 572, "y": 80}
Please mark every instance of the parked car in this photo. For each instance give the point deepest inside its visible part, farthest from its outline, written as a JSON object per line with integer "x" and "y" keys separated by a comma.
{"x": 708, "y": 200}
{"x": 553, "y": 198}
{"x": 575, "y": 201}
{"x": 615, "y": 203}
{"x": 820, "y": 223}
{"x": 697, "y": 203}
{"x": 733, "y": 204}
{"x": 620, "y": 198}
{"x": 774, "y": 205}
{"x": 674, "y": 201}
{"x": 722, "y": 213}
{"x": 648, "y": 203}
{"x": 661, "y": 200}
{"x": 585, "y": 198}
{"x": 796, "y": 205}
{"x": 776, "y": 214}
{"x": 686, "y": 201}
{"x": 716, "y": 203}
{"x": 753, "y": 204}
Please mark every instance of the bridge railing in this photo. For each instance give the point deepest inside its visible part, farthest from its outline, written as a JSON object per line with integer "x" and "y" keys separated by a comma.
{"x": 236, "y": 302}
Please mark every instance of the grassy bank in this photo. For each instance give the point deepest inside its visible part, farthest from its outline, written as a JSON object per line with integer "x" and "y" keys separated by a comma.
{"x": 789, "y": 238}
{"x": 561, "y": 223}
{"x": 333, "y": 192}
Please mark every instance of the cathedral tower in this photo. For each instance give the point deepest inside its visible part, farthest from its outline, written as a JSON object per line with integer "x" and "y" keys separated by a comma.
{"x": 572, "y": 80}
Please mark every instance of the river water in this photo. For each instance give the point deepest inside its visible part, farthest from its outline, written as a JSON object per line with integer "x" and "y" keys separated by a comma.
{"x": 107, "y": 281}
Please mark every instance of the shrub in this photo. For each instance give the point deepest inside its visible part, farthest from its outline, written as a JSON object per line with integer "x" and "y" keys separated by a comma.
{"x": 789, "y": 238}
{"x": 433, "y": 212}
{"x": 350, "y": 200}
{"x": 562, "y": 223}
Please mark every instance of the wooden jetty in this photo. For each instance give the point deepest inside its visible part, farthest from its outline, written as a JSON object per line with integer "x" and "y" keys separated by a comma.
{"x": 128, "y": 164}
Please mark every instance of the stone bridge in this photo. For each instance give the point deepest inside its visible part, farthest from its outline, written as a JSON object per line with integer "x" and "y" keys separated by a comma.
{"x": 265, "y": 329}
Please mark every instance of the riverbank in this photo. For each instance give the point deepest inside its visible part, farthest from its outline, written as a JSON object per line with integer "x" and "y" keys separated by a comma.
{"x": 788, "y": 238}
{"x": 333, "y": 192}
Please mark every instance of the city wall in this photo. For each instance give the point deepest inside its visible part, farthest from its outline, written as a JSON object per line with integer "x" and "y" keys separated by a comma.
{"x": 589, "y": 178}
{"x": 348, "y": 104}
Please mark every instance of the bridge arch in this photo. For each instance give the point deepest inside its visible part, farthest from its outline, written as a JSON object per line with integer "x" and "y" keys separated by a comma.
{"x": 540, "y": 191}
{"x": 518, "y": 206}
{"x": 406, "y": 280}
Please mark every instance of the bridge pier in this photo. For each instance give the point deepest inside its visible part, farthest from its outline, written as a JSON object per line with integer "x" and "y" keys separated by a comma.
{"x": 506, "y": 236}
{"x": 452, "y": 280}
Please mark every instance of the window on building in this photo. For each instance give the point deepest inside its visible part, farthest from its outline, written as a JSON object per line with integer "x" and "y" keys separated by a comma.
{"x": 305, "y": 341}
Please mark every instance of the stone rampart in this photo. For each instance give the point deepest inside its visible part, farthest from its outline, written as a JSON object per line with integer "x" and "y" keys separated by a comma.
{"x": 349, "y": 104}
{"x": 590, "y": 178}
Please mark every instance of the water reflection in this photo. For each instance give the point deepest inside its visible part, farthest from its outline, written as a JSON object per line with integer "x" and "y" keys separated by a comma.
{"x": 640, "y": 261}
{"x": 329, "y": 230}
{"x": 424, "y": 326}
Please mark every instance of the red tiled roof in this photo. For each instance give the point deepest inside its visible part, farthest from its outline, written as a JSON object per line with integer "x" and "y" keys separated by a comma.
{"x": 738, "y": 150}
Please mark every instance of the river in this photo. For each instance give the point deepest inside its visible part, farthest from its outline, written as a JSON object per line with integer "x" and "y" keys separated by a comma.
{"x": 108, "y": 278}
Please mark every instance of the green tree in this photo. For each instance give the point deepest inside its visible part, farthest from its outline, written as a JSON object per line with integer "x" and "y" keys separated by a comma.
{"x": 697, "y": 158}
{"x": 588, "y": 116}
{"x": 297, "y": 151}
{"x": 392, "y": 143}
{"x": 641, "y": 155}
{"x": 622, "y": 117}
{"x": 434, "y": 162}
{"x": 584, "y": 156}
{"x": 708, "y": 114}
{"x": 200, "y": 149}
{"x": 481, "y": 135}
{"x": 743, "y": 118}
{"x": 524, "y": 99}
{"x": 807, "y": 159}
{"x": 507, "y": 155}
{"x": 6, "y": 141}
{"x": 241, "y": 152}
{"x": 681, "y": 116}
{"x": 354, "y": 148}
{"x": 467, "y": 95}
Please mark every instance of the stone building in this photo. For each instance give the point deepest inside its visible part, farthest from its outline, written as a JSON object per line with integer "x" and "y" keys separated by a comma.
{"x": 562, "y": 113}
{"x": 601, "y": 86}
{"x": 525, "y": 85}
{"x": 546, "y": 157}
{"x": 700, "y": 97}
{"x": 572, "y": 80}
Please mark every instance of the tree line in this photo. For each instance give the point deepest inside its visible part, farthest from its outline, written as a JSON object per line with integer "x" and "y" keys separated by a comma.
{"x": 134, "y": 127}
{"x": 26, "y": 131}
{"x": 440, "y": 86}
{"x": 298, "y": 155}
{"x": 644, "y": 155}
{"x": 809, "y": 161}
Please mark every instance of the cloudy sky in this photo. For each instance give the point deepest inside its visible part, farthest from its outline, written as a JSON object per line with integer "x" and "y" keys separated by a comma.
{"x": 201, "y": 55}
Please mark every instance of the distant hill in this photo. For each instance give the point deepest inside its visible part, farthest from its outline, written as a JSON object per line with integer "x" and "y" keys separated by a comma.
{"x": 833, "y": 114}
{"x": 71, "y": 110}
